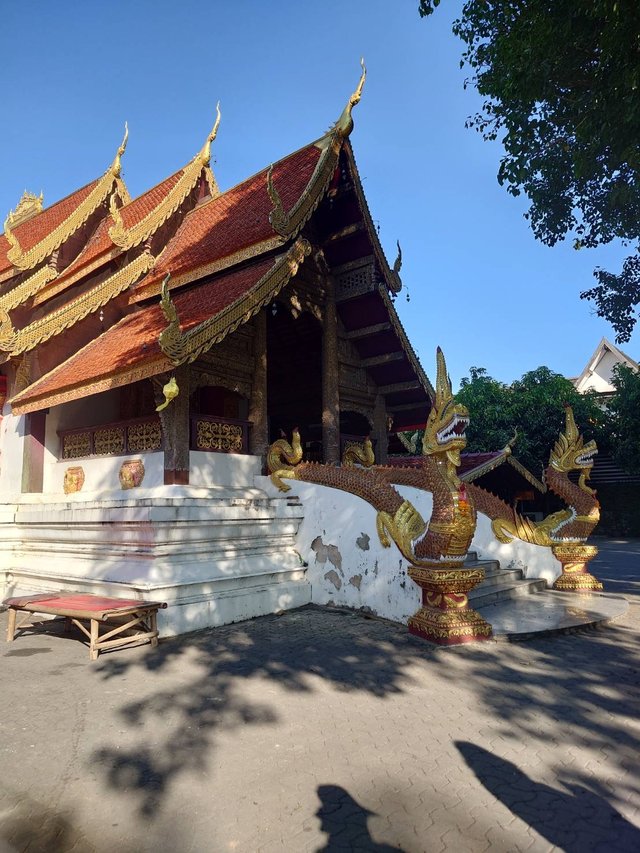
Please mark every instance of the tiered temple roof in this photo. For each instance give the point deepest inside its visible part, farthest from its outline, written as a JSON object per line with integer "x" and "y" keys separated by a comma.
{"x": 183, "y": 265}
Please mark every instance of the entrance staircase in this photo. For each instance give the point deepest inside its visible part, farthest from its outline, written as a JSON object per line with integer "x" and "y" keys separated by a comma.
{"x": 499, "y": 584}
{"x": 519, "y": 608}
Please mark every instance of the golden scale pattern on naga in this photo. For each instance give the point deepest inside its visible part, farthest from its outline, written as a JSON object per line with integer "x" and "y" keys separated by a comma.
{"x": 435, "y": 552}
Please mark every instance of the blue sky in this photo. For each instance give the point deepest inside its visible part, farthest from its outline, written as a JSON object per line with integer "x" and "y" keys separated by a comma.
{"x": 479, "y": 284}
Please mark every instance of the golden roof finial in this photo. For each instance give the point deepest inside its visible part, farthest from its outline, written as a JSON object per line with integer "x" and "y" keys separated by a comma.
{"x": 205, "y": 154}
{"x": 508, "y": 448}
{"x": 117, "y": 165}
{"x": 344, "y": 125}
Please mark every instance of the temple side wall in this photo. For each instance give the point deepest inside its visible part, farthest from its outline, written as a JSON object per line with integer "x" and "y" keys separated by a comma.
{"x": 223, "y": 469}
{"x": 347, "y": 565}
{"x": 12, "y": 443}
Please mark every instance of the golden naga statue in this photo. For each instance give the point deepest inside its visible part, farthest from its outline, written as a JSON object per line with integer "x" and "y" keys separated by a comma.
{"x": 568, "y": 526}
{"x": 453, "y": 520}
{"x": 281, "y": 451}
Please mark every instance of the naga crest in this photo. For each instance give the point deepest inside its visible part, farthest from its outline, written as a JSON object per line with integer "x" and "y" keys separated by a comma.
{"x": 447, "y": 421}
{"x": 570, "y": 453}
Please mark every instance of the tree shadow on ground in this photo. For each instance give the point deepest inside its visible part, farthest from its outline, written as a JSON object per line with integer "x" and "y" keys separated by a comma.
{"x": 202, "y": 698}
{"x": 545, "y": 694}
{"x": 575, "y": 820}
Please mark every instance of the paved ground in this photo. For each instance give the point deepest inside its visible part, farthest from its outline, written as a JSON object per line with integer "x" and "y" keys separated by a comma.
{"x": 324, "y": 731}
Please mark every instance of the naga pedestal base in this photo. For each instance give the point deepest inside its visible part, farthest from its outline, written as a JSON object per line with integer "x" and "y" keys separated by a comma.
{"x": 575, "y": 577}
{"x": 445, "y": 617}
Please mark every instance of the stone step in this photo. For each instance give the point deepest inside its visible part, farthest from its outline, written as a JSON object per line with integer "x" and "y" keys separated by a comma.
{"x": 481, "y": 596}
{"x": 499, "y": 577}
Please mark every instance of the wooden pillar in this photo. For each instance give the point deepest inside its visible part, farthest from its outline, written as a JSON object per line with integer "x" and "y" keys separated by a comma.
{"x": 176, "y": 431}
{"x": 380, "y": 433}
{"x": 33, "y": 456}
{"x": 259, "y": 434}
{"x": 330, "y": 377}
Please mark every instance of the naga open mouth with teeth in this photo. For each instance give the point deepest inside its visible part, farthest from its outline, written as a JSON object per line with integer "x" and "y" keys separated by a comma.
{"x": 447, "y": 422}
{"x": 456, "y": 429}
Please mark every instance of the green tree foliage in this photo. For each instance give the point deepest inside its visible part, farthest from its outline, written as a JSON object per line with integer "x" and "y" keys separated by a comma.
{"x": 561, "y": 86}
{"x": 532, "y": 406}
{"x": 624, "y": 411}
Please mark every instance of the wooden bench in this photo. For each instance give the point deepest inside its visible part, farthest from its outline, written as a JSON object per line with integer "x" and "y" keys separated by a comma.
{"x": 127, "y": 622}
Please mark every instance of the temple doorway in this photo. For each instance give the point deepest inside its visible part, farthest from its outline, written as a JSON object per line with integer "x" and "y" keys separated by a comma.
{"x": 294, "y": 377}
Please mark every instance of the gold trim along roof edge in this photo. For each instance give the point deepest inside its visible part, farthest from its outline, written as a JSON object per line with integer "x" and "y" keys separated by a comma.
{"x": 152, "y": 367}
{"x": 153, "y": 289}
{"x": 186, "y": 347}
{"x": 29, "y": 287}
{"x": 502, "y": 457}
{"x": 127, "y": 238}
{"x": 54, "y": 239}
{"x": 87, "y": 303}
{"x": 289, "y": 223}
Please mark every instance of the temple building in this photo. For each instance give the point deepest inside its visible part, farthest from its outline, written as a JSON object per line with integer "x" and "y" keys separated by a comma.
{"x": 152, "y": 348}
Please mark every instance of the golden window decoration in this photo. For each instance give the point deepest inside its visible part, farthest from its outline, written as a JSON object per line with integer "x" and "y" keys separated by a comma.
{"x": 107, "y": 441}
{"x": 219, "y": 436}
{"x": 75, "y": 445}
{"x": 144, "y": 436}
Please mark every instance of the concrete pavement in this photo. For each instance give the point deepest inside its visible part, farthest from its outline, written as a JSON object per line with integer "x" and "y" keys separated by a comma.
{"x": 321, "y": 730}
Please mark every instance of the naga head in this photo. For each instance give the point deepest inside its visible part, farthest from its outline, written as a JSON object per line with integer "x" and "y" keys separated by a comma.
{"x": 570, "y": 453}
{"x": 447, "y": 421}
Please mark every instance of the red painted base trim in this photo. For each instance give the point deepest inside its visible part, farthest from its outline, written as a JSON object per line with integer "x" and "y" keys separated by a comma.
{"x": 176, "y": 478}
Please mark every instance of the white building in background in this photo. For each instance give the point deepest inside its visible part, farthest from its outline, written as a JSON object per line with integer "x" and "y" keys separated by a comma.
{"x": 598, "y": 373}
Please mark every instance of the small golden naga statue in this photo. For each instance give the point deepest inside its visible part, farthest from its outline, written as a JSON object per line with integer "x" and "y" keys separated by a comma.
{"x": 359, "y": 454}
{"x": 567, "y": 530}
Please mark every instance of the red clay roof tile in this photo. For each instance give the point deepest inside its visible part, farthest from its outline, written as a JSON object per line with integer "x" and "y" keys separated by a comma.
{"x": 31, "y": 232}
{"x": 235, "y": 220}
{"x": 134, "y": 339}
{"x": 132, "y": 213}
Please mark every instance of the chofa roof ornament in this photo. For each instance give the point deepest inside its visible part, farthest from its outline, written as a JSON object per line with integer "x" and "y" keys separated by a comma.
{"x": 344, "y": 125}
{"x": 127, "y": 238}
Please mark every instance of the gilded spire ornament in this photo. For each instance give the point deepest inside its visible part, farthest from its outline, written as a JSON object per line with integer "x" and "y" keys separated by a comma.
{"x": 117, "y": 163}
{"x": 205, "y": 154}
{"x": 344, "y": 125}
{"x": 127, "y": 238}
{"x": 25, "y": 260}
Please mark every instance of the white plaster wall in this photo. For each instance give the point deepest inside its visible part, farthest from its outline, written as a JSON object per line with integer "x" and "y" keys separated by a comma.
{"x": 11, "y": 450}
{"x": 101, "y": 473}
{"x": 235, "y": 470}
{"x": 347, "y": 564}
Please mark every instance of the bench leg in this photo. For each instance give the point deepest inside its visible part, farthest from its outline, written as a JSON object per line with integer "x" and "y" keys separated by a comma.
{"x": 93, "y": 640}
{"x": 153, "y": 625}
{"x": 11, "y": 625}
